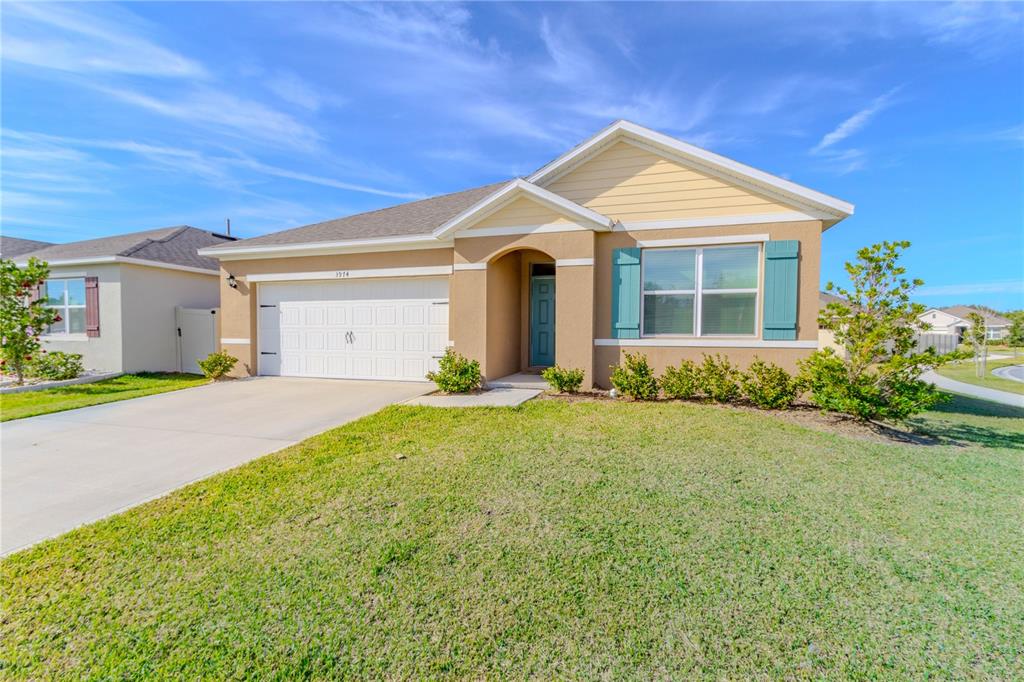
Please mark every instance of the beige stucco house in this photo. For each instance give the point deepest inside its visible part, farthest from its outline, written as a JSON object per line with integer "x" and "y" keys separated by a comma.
{"x": 118, "y": 296}
{"x": 631, "y": 241}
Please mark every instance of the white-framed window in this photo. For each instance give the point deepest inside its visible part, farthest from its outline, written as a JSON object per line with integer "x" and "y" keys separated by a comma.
{"x": 67, "y": 296}
{"x": 702, "y": 291}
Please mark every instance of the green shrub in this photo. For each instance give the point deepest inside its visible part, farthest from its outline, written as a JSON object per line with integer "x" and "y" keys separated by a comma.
{"x": 719, "y": 379}
{"x": 456, "y": 374}
{"x": 681, "y": 382}
{"x": 563, "y": 380}
{"x": 56, "y": 365}
{"x": 216, "y": 365}
{"x": 635, "y": 378}
{"x": 895, "y": 394}
{"x": 769, "y": 386}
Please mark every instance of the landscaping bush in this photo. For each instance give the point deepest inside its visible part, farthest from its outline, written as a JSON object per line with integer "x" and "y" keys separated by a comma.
{"x": 894, "y": 394}
{"x": 769, "y": 386}
{"x": 218, "y": 364}
{"x": 719, "y": 379}
{"x": 57, "y": 366}
{"x": 456, "y": 373}
{"x": 563, "y": 380}
{"x": 635, "y": 378}
{"x": 681, "y": 382}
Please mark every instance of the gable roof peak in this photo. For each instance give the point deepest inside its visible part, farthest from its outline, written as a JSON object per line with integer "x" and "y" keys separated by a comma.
{"x": 818, "y": 205}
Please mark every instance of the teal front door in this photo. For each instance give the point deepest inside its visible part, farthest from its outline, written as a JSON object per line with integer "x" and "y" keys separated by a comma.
{"x": 542, "y": 321}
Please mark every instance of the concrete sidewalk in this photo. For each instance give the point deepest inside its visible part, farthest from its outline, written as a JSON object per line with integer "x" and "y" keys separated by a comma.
{"x": 973, "y": 391}
{"x": 69, "y": 468}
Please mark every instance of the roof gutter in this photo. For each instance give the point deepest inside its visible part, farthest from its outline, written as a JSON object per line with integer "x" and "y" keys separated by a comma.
{"x": 426, "y": 241}
{"x": 107, "y": 260}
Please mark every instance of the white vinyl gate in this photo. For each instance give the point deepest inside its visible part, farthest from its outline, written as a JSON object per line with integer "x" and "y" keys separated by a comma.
{"x": 387, "y": 328}
{"x": 197, "y": 336}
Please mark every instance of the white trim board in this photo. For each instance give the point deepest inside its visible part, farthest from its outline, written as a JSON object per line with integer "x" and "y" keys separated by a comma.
{"x": 470, "y": 266}
{"x": 570, "y": 262}
{"x": 513, "y": 190}
{"x": 704, "y": 241}
{"x": 715, "y": 221}
{"x": 235, "y": 342}
{"x": 705, "y": 342}
{"x": 424, "y": 271}
{"x": 410, "y": 243}
{"x": 519, "y": 229}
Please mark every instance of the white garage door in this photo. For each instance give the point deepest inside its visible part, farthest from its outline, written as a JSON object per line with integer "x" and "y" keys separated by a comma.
{"x": 391, "y": 328}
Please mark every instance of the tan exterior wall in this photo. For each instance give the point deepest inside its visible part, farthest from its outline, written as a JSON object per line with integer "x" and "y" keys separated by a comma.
{"x": 522, "y": 211}
{"x": 504, "y": 316}
{"x": 238, "y": 306}
{"x": 661, "y": 357}
{"x": 628, "y": 183}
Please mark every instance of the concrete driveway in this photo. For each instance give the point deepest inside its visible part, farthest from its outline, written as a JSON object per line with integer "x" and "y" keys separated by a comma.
{"x": 62, "y": 470}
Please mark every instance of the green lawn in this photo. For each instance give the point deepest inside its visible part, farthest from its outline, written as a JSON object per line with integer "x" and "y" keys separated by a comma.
{"x": 964, "y": 371}
{"x": 20, "y": 405}
{"x": 556, "y": 540}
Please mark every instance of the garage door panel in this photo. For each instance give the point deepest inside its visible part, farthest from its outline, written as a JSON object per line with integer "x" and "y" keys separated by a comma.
{"x": 438, "y": 314}
{"x": 362, "y": 316}
{"x": 337, "y": 315}
{"x": 365, "y": 329}
{"x": 414, "y": 342}
{"x": 386, "y": 315}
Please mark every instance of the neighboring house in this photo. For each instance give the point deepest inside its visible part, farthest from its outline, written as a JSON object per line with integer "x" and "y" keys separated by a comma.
{"x": 117, "y": 295}
{"x": 11, "y": 247}
{"x": 827, "y": 337}
{"x": 631, "y": 241}
{"x": 954, "y": 320}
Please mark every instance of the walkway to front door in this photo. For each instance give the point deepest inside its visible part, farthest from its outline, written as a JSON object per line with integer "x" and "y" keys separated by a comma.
{"x": 542, "y": 320}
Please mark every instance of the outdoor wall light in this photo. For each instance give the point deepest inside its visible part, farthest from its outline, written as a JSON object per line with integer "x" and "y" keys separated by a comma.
{"x": 232, "y": 282}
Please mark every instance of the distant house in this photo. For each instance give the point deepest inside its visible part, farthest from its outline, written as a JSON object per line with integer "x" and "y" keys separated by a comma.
{"x": 954, "y": 320}
{"x": 11, "y": 247}
{"x": 826, "y": 337}
{"x": 117, "y": 295}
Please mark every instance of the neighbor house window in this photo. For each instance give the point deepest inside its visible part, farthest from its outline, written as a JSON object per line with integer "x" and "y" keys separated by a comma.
{"x": 67, "y": 296}
{"x": 707, "y": 291}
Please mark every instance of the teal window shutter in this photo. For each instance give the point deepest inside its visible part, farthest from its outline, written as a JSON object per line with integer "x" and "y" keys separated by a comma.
{"x": 626, "y": 293}
{"x": 781, "y": 283}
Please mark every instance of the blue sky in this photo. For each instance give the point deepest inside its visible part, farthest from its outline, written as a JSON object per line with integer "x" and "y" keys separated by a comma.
{"x": 125, "y": 117}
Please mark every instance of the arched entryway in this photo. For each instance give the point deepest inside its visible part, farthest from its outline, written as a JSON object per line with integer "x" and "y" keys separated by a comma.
{"x": 521, "y": 304}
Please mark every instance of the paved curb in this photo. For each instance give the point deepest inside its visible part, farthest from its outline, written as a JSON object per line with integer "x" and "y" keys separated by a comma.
{"x": 495, "y": 397}
{"x": 981, "y": 392}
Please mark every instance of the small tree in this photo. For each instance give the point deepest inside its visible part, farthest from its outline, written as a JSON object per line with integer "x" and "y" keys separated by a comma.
{"x": 23, "y": 317}
{"x": 1016, "y": 337}
{"x": 876, "y": 326}
{"x": 976, "y": 337}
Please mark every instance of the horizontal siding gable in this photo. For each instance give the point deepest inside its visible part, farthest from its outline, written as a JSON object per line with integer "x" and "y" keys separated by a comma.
{"x": 631, "y": 184}
{"x": 522, "y": 211}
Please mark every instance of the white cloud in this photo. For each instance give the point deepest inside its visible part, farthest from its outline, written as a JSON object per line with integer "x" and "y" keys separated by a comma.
{"x": 320, "y": 180}
{"x": 226, "y": 113}
{"x": 295, "y": 90}
{"x": 104, "y": 40}
{"x": 855, "y": 123}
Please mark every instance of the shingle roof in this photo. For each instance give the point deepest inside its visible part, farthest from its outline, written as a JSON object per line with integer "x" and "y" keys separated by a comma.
{"x": 173, "y": 245}
{"x": 962, "y": 311}
{"x": 824, "y": 298}
{"x": 408, "y": 219}
{"x": 15, "y": 246}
